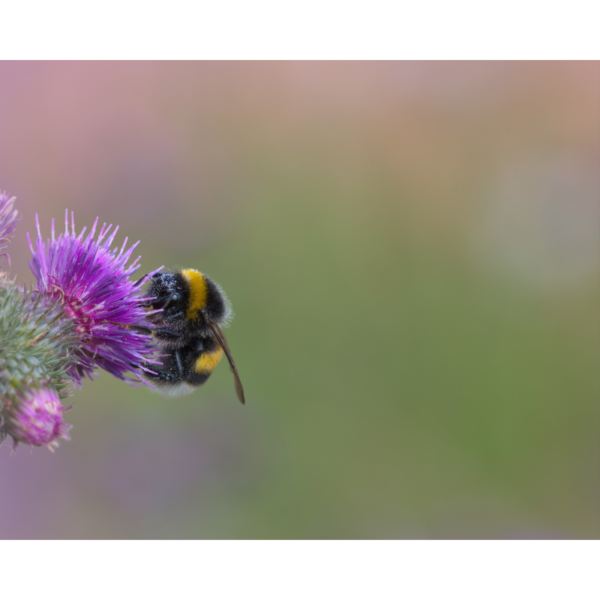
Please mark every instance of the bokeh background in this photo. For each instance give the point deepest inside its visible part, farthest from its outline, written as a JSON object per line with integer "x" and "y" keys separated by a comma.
{"x": 412, "y": 251}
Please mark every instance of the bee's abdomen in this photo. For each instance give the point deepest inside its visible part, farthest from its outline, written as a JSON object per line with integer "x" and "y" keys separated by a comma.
{"x": 207, "y": 361}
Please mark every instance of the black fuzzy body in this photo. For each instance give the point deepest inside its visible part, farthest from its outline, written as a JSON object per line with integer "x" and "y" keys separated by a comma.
{"x": 171, "y": 292}
{"x": 183, "y": 339}
{"x": 179, "y": 367}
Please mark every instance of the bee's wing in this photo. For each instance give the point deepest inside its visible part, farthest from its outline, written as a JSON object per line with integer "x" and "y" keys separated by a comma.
{"x": 218, "y": 333}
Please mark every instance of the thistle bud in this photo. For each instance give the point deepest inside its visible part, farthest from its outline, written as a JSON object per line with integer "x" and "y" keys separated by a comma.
{"x": 36, "y": 418}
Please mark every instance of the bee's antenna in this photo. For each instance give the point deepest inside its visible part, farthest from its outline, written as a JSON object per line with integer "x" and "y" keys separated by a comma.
{"x": 145, "y": 278}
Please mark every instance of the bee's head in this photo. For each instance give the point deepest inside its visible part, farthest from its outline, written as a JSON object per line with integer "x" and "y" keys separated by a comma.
{"x": 169, "y": 291}
{"x": 187, "y": 294}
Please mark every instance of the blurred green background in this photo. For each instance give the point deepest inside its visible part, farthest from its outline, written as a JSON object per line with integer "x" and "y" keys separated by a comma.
{"x": 412, "y": 251}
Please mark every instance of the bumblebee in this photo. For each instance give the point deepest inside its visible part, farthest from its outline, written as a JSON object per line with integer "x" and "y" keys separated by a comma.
{"x": 188, "y": 326}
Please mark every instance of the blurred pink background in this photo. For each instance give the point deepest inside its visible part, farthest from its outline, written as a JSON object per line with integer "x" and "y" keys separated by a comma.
{"x": 412, "y": 250}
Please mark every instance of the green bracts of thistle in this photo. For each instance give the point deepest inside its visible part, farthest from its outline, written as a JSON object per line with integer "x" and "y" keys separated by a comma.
{"x": 37, "y": 347}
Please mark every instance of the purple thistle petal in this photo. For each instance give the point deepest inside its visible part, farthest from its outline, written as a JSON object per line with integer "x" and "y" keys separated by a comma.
{"x": 93, "y": 283}
{"x": 36, "y": 419}
{"x": 8, "y": 220}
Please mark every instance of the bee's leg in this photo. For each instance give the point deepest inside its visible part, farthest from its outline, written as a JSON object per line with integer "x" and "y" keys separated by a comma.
{"x": 179, "y": 364}
{"x": 175, "y": 295}
{"x": 176, "y": 316}
{"x": 165, "y": 334}
{"x": 199, "y": 346}
{"x": 129, "y": 327}
{"x": 162, "y": 373}
{"x": 153, "y": 372}
{"x": 140, "y": 328}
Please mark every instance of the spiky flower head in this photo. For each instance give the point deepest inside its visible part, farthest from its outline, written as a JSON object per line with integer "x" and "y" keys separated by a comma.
{"x": 36, "y": 418}
{"x": 92, "y": 281}
{"x": 8, "y": 220}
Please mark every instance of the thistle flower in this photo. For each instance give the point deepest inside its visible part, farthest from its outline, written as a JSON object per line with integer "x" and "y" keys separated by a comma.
{"x": 36, "y": 418}
{"x": 83, "y": 314}
{"x": 8, "y": 220}
{"x": 92, "y": 283}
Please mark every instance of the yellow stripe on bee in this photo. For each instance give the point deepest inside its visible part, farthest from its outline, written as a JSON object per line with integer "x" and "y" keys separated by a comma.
{"x": 198, "y": 292}
{"x": 208, "y": 361}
